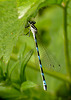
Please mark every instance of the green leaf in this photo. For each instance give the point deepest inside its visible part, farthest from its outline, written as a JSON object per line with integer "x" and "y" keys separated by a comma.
{"x": 23, "y": 65}
{"x": 21, "y": 52}
{"x": 11, "y": 26}
{"x": 1, "y": 74}
{"x": 27, "y": 85}
{"x": 12, "y": 68}
{"x": 14, "y": 15}
{"x": 28, "y": 8}
{"x": 8, "y": 32}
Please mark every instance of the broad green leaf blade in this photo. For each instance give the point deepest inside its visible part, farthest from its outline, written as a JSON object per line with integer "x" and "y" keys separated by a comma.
{"x": 27, "y": 85}
{"x": 11, "y": 27}
{"x": 8, "y": 23}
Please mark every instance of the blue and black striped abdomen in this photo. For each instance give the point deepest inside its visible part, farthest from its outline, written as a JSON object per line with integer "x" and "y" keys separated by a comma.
{"x": 41, "y": 69}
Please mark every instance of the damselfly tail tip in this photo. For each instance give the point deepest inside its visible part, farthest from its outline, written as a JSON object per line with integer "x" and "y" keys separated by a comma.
{"x": 45, "y": 87}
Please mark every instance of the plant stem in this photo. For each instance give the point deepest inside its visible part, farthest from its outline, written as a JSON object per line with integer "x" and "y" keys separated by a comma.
{"x": 66, "y": 42}
{"x": 57, "y": 75}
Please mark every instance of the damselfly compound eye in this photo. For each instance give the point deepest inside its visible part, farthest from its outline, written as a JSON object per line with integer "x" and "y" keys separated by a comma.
{"x": 31, "y": 22}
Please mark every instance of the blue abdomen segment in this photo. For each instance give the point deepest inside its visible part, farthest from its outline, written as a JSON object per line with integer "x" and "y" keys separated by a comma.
{"x": 35, "y": 40}
{"x": 39, "y": 57}
{"x": 42, "y": 74}
{"x": 37, "y": 49}
{"x": 40, "y": 65}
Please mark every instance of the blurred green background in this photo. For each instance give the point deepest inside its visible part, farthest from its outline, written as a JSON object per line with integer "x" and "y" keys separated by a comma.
{"x": 20, "y": 77}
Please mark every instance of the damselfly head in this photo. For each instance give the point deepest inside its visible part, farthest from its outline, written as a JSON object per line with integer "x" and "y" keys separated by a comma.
{"x": 31, "y": 22}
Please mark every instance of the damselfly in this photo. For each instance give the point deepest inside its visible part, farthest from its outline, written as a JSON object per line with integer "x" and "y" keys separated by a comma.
{"x": 50, "y": 64}
{"x": 33, "y": 29}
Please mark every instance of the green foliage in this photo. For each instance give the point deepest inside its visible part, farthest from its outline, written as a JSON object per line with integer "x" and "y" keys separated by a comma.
{"x": 9, "y": 86}
{"x": 26, "y": 85}
{"x": 53, "y": 19}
